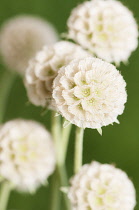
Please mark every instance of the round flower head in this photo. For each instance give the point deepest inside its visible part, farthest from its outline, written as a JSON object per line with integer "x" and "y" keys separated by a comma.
{"x": 105, "y": 27}
{"x": 21, "y": 37}
{"x": 101, "y": 187}
{"x": 44, "y": 68}
{"x": 27, "y": 154}
{"x": 90, "y": 93}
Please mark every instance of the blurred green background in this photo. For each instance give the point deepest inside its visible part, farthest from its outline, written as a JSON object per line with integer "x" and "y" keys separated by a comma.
{"x": 119, "y": 143}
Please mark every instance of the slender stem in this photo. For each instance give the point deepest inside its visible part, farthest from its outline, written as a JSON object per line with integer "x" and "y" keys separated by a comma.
{"x": 63, "y": 176}
{"x": 6, "y": 82}
{"x": 78, "y": 149}
{"x": 56, "y": 196}
{"x": 64, "y": 183}
{"x": 65, "y": 140}
{"x": 56, "y": 133}
{"x": 61, "y": 140}
{"x": 4, "y": 195}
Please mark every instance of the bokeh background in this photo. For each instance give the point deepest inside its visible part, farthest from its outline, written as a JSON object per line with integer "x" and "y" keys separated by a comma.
{"x": 119, "y": 143}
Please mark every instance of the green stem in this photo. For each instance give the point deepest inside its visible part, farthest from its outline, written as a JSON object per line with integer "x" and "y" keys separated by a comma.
{"x": 56, "y": 133}
{"x": 78, "y": 149}
{"x": 4, "y": 195}
{"x": 56, "y": 196}
{"x": 61, "y": 140}
{"x": 65, "y": 140}
{"x": 64, "y": 183}
{"x": 6, "y": 82}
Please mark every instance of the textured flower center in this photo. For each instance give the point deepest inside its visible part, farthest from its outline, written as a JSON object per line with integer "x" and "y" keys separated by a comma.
{"x": 86, "y": 92}
{"x": 83, "y": 82}
{"x": 90, "y": 36}
{"x": 98, "y": 201}
{"x": 23, "y": 158}
{"x": 99, "y": 27}
{"x": 23, "y": 151}
{"x": 101, "y": 191}
{"x": 109, "y": 199}
{"x": 23, "y": 148}
{"x": 110, "y": 28}
{"x": 91, "y": 101}
{"x": 103, "y": 37}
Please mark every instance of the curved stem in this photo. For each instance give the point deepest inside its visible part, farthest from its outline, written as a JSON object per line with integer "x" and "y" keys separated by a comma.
{"x": 4, "y": 195}
{"x": 78, "y": 149}
{"x": 6, "y": 82}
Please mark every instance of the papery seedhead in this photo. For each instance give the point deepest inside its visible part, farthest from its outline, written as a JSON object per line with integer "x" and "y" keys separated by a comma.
{"x": 106, "y": 27}
{"x": 27, "y": 156}
{"x": 21, "y": 37}
{"x": 90, "y": 93}
{"x": 101, "y": 186}
{"x": 44, "y": 68}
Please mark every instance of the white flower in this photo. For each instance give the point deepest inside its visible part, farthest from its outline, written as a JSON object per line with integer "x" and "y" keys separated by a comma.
{"x": 90, "y": 93}
{"x": 44, "y": 68}
{"x": 27, "y": 155}
{"x": 101, "y": 187}
{"x": 21, "y": 37}
{"x": 105, "y": 27}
